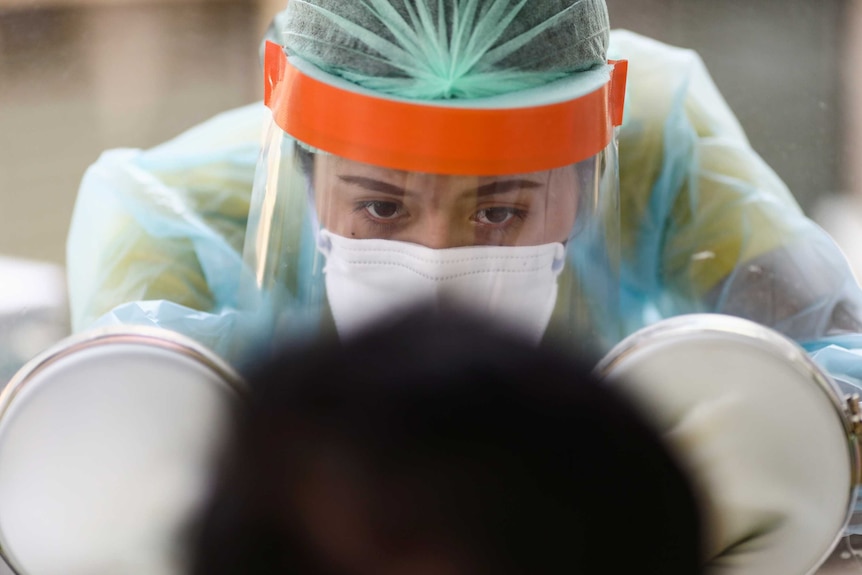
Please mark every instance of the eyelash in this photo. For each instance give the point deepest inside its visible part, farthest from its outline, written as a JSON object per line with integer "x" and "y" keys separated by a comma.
{"x": 516, "y": 213}
{"x": 362, "y": 209}
{"x": 384, "y": 225}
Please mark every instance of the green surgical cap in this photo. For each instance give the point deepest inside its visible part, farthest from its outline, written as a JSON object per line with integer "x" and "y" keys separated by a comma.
{"x": 441, "y": 49}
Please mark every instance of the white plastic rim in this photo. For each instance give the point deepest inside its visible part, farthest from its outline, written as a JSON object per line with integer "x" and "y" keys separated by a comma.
{"x": 764, "y": 432}
{"x": 106, "y": 447}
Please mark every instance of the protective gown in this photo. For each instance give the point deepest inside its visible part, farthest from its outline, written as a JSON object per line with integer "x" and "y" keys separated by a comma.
{"x": 706, "y": 226}
{"x": 156, "y": 236}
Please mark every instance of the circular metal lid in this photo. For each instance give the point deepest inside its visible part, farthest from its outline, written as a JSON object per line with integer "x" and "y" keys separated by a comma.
{"x": 106, "y": 444}
{"x": 766, "y": 434}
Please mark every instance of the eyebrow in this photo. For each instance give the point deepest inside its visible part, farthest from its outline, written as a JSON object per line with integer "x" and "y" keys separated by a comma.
{"x": 503, "y": 186}
{"x": 373, "y": 185}
{"x": 491, "y": 188}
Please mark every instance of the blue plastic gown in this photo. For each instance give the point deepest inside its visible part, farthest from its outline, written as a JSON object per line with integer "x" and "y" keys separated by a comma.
{"x": 156, "y": 236}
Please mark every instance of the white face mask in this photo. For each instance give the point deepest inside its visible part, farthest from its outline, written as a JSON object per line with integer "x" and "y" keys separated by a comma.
{"x": 374, "y": 279}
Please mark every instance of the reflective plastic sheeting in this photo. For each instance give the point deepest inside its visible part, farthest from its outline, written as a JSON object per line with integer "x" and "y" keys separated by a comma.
{"x": 707, "y": 226}
{"x": 156, "y": 235}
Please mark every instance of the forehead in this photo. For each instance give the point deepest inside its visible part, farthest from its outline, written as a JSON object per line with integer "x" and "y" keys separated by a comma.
{"x": 336, "y": 166}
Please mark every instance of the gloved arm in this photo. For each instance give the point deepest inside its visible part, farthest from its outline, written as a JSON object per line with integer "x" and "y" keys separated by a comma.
{"x": 159, "y": 232}
{"x": 708, "y": 226}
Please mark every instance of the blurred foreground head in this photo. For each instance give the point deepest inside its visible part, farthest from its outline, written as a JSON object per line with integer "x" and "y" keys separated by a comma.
{"x": 443, "y": 447}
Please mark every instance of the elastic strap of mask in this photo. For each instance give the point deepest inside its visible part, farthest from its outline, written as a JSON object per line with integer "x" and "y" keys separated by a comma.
{"x": 437, "y": 138}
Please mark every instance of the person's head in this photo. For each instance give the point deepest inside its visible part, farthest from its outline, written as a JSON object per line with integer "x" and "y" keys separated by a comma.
{"x": 443, "y": 447}
{"x": 429, "y": 127}
{"x": 477, "y": 49}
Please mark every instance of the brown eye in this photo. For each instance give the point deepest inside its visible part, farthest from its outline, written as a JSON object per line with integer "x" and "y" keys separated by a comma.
{"x": 494, "y": 216}
{"x": 382, "y": 210}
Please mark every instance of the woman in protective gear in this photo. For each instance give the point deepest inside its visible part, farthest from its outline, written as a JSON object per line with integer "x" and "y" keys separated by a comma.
{"x": 485, "y": 153}
{"x": 704, "y": 224}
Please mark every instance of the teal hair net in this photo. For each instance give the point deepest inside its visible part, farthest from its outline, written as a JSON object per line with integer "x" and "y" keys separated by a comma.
{"x": 448, "y": 48}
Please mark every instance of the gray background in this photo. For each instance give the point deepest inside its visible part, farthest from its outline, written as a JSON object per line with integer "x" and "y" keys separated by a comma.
{"x": 781, "y": 65}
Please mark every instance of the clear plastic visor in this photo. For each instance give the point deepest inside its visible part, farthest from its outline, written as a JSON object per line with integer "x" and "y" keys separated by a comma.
{"x": 335, "y": 244}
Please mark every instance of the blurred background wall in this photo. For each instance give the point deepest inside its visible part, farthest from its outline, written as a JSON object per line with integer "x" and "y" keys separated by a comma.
{"x": 779, "y": 64}
{"x": 77, "y": 77}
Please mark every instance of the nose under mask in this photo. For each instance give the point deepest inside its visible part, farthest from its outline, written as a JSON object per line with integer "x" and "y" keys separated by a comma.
{"x": 368, "y": 280}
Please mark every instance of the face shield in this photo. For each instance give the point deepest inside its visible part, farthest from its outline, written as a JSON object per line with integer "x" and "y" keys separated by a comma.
{"x": 507, "y": 206}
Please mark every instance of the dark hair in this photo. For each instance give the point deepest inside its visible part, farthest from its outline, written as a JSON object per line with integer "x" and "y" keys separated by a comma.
{"x": 457, "y": 438}
{"x": 306, "y": 159}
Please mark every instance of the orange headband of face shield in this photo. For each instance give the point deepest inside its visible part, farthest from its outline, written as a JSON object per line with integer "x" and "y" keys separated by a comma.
{"x": 439, "y": 139}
